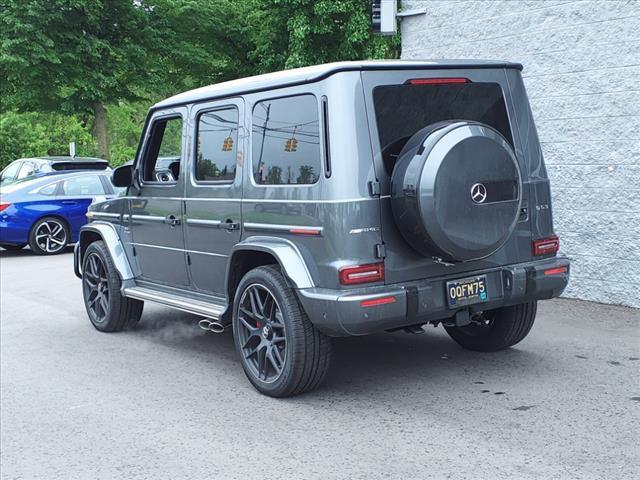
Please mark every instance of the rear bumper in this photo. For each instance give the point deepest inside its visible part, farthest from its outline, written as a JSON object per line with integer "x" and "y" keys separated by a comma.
{"x": 341, "y": 313}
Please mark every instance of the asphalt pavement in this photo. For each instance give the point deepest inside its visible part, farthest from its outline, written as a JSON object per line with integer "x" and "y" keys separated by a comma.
{"x": 168, "y": 400}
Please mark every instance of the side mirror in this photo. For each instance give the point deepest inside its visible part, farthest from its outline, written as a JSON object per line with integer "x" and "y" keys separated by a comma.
{"x": 123, "y": 176}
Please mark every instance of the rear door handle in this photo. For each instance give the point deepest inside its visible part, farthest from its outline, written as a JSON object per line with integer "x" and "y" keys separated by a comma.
{"x": 230, "y": 225}
{"x": 172, "y": 220}
{"x": 69, "y": 202}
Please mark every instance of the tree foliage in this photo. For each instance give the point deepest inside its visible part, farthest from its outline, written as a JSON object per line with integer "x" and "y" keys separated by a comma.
{"x": 96, "y": 65}
{"x": 64, "y": 55}
{"x": 296, "y": 33}
{"x": 39, "y": 134}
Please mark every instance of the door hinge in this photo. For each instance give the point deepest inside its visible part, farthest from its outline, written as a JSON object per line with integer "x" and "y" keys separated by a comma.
{"x": 381, "y": 251}
{"x": 188, "y": 259}
{"x": 134, "y": 251}
{"x": 374, "y": 188}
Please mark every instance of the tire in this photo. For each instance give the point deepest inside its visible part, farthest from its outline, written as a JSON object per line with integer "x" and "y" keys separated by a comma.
{"x": 13, "y": 248}
{"x": 108, "y": 310}
{"x": 268, "y": 333}
{"x": 504, "y": 328}
{"x": 49, "y": 236}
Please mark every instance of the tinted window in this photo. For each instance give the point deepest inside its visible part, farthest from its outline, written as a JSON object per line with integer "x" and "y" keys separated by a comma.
{"x": 89, "y": 185}
{"x": 217, "y": 145}
{"x": 402, "y": 110}
{"x": 163, "y": 151}
{"x": 286, "y": 141}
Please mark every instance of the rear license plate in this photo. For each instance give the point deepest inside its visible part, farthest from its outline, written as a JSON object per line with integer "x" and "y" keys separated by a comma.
{"x": 467, "y": 291}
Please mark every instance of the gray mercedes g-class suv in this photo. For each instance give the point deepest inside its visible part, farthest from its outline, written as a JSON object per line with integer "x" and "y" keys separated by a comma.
{"x": 334, "y": 200}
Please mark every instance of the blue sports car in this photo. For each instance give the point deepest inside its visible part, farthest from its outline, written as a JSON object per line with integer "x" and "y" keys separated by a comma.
{"x": 47, "y": 212}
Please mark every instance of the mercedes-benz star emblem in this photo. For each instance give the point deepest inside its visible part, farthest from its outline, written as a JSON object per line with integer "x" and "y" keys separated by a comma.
{"x": 478, "y": 193}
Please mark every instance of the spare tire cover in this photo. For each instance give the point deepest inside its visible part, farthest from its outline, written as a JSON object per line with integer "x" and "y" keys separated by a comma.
{"x": 455, "y": 190}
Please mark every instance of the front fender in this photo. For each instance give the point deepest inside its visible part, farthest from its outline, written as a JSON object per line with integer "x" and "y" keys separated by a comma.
{"x": 109, "y": 235}
{"x": 285, "y": 252}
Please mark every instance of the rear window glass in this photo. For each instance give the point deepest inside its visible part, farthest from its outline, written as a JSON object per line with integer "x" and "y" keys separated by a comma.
{"x": 286, "y": 141}
{"x": 402, "y": 110}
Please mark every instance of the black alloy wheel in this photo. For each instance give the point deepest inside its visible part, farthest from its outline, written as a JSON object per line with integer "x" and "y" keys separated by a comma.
{"x": 262, "y": 333}
{"x": 108, "y": 310}
{"x": 281, "y": 351}
{"x": 96, "y": 288}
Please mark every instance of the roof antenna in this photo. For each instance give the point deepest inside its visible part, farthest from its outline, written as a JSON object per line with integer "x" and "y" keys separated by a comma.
{"x": 72, "y": 150}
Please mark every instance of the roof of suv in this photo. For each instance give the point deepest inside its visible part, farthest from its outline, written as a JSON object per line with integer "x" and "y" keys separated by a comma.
{"x": 313, "y": 73}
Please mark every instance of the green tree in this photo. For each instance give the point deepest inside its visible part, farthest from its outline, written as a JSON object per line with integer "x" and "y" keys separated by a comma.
{"x": 296, "y": 33}
{"x": 274, "y": 176}
{"x": 307, "y": 175}
{"x": 200, "y": 42}
{"x": 37, "y": 134}
{"x": 125, "y": 121}
{"x": 74, "y": 56}
{"x": 99, "y": 64}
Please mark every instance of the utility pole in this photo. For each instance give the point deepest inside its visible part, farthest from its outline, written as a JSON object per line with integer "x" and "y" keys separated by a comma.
{"x": 264, "y": 134}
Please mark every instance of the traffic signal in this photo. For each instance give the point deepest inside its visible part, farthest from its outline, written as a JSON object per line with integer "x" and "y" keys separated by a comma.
{"x": 227, "y": 145}
{"x": 291, "y": 145}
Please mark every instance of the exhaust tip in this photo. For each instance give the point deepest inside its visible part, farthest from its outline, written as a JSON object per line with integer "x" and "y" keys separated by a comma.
{"x": 217, "y": 327}
{"x": 208, "y": 325}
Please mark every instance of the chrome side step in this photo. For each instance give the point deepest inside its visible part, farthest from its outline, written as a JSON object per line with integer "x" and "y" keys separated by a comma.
{"x": 197, "y": 307}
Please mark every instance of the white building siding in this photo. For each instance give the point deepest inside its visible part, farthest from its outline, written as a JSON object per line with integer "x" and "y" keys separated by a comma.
{"x": 582, "y": 72}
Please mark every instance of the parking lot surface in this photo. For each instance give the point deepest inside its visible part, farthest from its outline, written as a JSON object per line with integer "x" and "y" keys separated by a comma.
{"x": 169, "y": 400}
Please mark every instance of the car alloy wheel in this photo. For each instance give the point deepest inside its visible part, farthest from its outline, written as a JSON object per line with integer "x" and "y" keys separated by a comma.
{"x": 96, "y": 288}
{"x": 262, "y": 333}
{"x": 51, "y": 236}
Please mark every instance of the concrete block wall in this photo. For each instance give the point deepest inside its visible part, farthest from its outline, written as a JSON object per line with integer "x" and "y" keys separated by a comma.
{"x": 582, "y": 73}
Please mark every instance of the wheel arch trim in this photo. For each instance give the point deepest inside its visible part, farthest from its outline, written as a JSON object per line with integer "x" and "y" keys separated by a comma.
{"x": 286, "y": 253}
{"x": 111, "y": 239}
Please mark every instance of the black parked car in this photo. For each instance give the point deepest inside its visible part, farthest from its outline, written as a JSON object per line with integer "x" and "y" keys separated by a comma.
{"x": 423, "y": 199}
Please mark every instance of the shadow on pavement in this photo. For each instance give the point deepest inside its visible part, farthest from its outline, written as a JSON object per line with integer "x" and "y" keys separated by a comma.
{"x": 385, "y": 360}
{"x": 27, "y": 252}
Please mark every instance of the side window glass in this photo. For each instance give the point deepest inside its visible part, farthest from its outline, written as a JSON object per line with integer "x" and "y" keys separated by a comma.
{"x": 286, "y": 141}
{"x": 163, "y": 151}
{"x": 43, "y": 167}
{"x": 48, "y": 190}
{"x": 217, "y": 145}
{"x": 88, "y": 185}
{"x": 26, "y": 170}
{"x": 11, "y": 171}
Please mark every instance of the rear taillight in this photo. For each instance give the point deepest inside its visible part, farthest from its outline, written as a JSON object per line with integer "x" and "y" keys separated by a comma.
{"x": 546, "y": 246}
{"x": 373, "y": 272}
{"x": 4, "y": 206}
{"x": 437, "y": 81}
